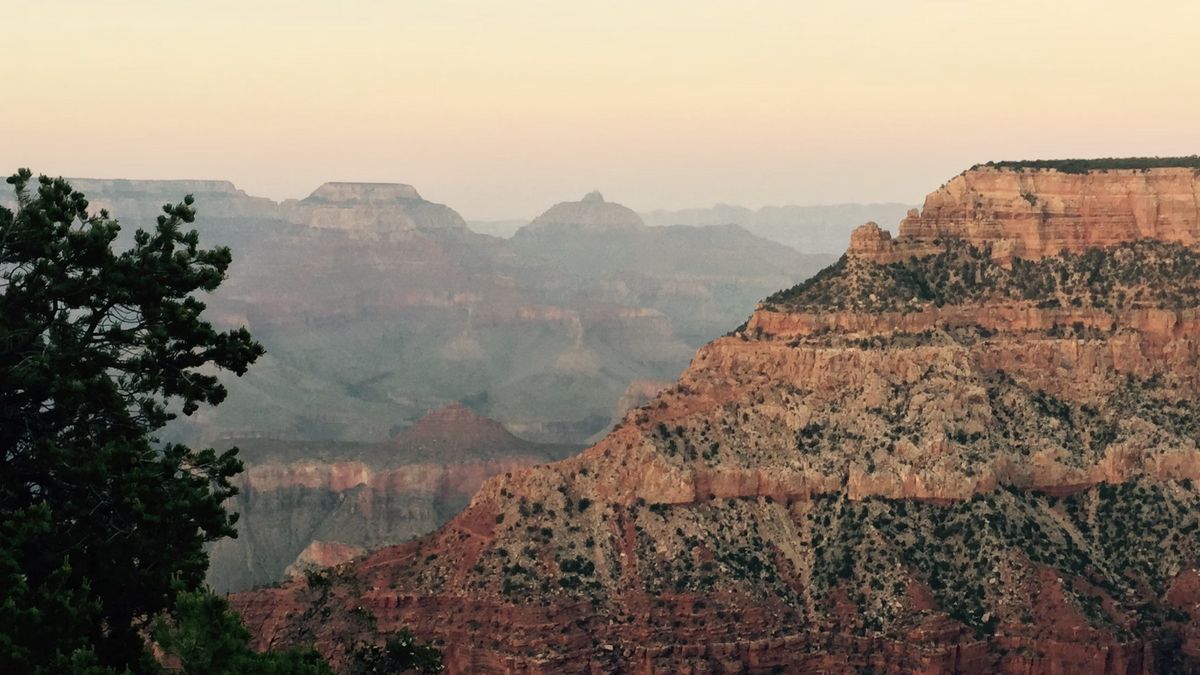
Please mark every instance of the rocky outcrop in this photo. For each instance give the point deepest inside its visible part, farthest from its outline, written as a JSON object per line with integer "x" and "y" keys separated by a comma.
{"x": 947, "y": 463}
{"x": 590, "y": 214}
{"x": 1031, "y": 213}
{"x": 321, "y": 554}
{"x": 871, "y": 242}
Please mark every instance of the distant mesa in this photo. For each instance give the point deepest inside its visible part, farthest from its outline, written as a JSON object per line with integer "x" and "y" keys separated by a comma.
{"x": 809, "y": 229}
{"x": 589, "y": 214}
{"x": 371, "y": 209}
{"x": 129, "y": 187}
{"x": 362, "y": 209}
{"x": 362, "y": 193}
{"x": 140, "y": 201}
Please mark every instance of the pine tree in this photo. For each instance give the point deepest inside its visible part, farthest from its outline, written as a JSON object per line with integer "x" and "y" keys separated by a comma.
{"x": 101, "y": 526}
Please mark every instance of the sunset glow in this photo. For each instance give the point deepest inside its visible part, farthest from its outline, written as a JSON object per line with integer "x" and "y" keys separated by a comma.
{"x": 503, "y": 108}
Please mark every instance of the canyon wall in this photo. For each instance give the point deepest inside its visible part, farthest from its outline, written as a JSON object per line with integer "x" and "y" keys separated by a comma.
{"x": 307, "y": 505}
{"x": 1035, "y": 213}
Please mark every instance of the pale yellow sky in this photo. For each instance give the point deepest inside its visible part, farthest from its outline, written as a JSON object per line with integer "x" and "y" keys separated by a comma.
{"x": 502, "y": 108}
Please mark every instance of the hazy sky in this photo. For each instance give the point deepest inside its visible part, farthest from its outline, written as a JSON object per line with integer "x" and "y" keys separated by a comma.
{"x": 502, "y": 108}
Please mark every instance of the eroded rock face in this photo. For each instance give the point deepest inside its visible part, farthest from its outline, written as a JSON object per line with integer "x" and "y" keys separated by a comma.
{"x": 302, "y": 512}
{"x": 950, "y": 461}
{"x": 1036, "y": 213}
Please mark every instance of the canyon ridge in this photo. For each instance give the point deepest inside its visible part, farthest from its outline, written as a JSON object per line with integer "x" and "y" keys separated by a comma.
{"x": 970, "y": 447}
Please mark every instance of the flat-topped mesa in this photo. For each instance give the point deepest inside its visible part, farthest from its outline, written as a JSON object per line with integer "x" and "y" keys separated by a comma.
{"x": 363, "y": 193}
{"x": 372, "y": 208}
{"x": 590, "y": 214}
{"x": 138, "y": 202}
{"x": 1031, "y": 212}
{"x": 127, "y": 186}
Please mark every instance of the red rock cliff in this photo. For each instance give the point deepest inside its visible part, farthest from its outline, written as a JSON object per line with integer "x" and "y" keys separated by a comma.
{"x": 1034, "y": 213}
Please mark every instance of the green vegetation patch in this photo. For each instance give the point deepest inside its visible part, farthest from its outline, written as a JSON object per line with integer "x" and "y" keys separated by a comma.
{"x": 1143, "y": 274}
{"x": 1098, "y": 164}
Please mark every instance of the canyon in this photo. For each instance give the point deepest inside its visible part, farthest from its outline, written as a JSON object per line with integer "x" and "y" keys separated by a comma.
{"x": 339, "y": 500}
{"x": 377, "y": 306}
{"x": 971, "y": 447}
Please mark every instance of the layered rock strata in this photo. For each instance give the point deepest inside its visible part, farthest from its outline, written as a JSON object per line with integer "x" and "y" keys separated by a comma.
{"x": 1030, "y": 213}
{"x": 309, "y": 505}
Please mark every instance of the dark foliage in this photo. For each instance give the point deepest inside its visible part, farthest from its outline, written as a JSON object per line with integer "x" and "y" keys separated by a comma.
{"x": 1143, "y": 273}
{"x": 1098, "y": 164}
{"x": 204, "y": 637}
{"x": 101, "y": 526}
{"x": 402, "y": 653}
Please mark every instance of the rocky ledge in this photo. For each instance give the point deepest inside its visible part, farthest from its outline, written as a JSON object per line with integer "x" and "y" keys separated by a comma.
{"x": 1030, "y": 213}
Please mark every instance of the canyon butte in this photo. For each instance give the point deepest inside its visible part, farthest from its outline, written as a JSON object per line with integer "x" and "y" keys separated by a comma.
{"x": 971, "y": 447}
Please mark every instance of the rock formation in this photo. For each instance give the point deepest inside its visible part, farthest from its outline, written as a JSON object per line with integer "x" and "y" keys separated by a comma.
{"x": 1033, "y": 213}
{"x": 321, "y": 554}
{"x": 590, "y": 214}
{"x": 371, "y": 208}
{"x": 307, "y": 505}
{"x": 942, "y": 462}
